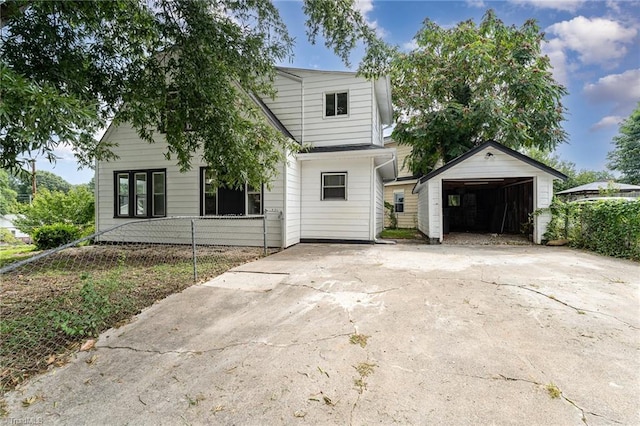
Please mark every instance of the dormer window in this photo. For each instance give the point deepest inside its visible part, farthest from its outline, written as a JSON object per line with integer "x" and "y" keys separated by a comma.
{"x": 335, "y": 104}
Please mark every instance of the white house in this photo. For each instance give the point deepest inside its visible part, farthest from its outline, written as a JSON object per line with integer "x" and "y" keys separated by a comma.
{"x": 331, "y": 190}
{"x": 491, "y": 188}
{"x": 6, "y": 222}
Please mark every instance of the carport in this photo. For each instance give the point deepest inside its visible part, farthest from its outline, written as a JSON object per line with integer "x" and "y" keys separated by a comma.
{"x": 491, "y": 188}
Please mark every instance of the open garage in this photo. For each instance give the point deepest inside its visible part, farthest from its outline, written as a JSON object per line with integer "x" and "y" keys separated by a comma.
{"x": 491, "y": 188}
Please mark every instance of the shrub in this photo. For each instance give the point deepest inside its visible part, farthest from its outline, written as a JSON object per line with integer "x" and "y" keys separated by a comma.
{"x": 609, "y": 227}
{"x": 52, "y": 236}
{"x": 391, "y": 211}
{"x": 8, "y": 238}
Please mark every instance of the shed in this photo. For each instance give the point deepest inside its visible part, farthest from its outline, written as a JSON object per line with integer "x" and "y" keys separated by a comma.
{"x": 490, "y": 188}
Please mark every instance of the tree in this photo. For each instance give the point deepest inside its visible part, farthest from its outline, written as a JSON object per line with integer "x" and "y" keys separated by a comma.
{"x": 468, "y": 84}
{"x": 574, "y": 177}
{"x": 21, "y": 182}
{"x": 47, "y": 208}
{"x": 625, "y": 158}
{"x": 7, "y": 194}
{"x": 186, "y": 67}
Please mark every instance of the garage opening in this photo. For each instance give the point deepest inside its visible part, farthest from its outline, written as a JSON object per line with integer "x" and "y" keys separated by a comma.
{"x": 499, "y": 206}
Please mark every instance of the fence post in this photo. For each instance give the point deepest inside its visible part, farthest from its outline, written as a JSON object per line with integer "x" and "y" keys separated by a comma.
{"x": 264, "y": 232}
{"x": 193, "y": 249}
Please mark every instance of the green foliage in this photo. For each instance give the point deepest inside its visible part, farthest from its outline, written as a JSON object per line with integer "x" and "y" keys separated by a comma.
{"x": 574, "y": 177}
{"x": 7, "y": 194}
{"x": 51, "y": 236}
{"x": 609, "y": 227}
{"x": 75, "y": 207}
{"x": 8, "y": 238}
{"x": 188, "y": 67}
{"x": 21, "y": 183}
{"x": 468, "y": 84}
{"x": 391, "y": 212}
{"x": 625, "y": 158}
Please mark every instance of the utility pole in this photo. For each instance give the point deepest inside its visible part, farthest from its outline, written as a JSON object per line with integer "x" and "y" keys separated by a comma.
{"x": 33, "y": 177}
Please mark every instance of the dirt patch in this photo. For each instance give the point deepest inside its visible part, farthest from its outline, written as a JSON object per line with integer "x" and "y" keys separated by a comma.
{"x": 49, "y": 306}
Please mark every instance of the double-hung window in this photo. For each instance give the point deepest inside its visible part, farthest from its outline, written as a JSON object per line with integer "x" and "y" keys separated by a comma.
{"x": 336, "y": 104}
{"x": 334, "y": 186}
{"x": 398, "y": 201}
{"x": 217, "y": 200}
{"x": 140, "y": 193}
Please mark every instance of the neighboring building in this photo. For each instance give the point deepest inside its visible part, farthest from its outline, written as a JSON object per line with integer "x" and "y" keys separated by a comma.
{"x": 399, "y": 192}
{"x": 596, "y": 189}
{"x": 491, "y": 188}
{"x": 331, "y": 191}
{"x": 6, "y": 222}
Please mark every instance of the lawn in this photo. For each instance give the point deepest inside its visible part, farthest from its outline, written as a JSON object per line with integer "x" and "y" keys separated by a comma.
{"x": 10, "y": 254}
{"x": 50, "y": 306}
{"x": 401, "y": 234}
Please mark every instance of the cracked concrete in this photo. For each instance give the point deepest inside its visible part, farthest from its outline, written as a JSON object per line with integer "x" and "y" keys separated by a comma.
{"x": 458, "y": 335}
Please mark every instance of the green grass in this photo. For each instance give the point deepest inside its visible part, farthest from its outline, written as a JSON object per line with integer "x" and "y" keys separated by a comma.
{"x": 10, "y": 254}
{"x": 401, "y": 234}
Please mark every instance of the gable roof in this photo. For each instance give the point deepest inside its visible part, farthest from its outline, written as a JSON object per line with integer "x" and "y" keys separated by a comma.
{"x": 596, "y": 186}
{"x": 499, "y": 147}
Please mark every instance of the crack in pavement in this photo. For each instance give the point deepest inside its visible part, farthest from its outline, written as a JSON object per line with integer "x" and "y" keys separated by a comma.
{"x": 223, "y": 348}
{"x": 555, "y": 299}
{"x": 370, "y": 293}
{"x": 502, "y": 377}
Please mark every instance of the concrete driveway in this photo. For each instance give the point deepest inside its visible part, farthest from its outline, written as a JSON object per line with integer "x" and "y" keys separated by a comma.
{"x": 348, "y": 334}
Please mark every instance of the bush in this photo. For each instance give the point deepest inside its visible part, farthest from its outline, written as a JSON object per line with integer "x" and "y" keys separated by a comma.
{"x": 8, "y": 238}
{"x": 52, "y": 236}
{"x": 609, "y": 227}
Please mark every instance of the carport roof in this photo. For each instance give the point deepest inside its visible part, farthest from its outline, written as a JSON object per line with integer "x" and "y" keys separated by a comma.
{"x": 499, "y": 147}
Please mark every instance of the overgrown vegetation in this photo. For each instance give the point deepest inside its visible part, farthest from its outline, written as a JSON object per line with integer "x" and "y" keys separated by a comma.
{"x": 609, "y": 227}
{"x": 391, "y": 213}
{"x": 48, "y": 307}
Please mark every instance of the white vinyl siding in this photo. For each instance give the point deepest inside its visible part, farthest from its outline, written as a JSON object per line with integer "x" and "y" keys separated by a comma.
{"x": 292, "y": 206}
{"x": 379, "y": 207}
{"x": 355, "y": 128}
{"x": 341, "y": 220}
{"x": 182, "y": 190}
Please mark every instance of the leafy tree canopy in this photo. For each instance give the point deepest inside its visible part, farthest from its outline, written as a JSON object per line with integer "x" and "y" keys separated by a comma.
{"x": 468, "y": 84}
{"x": 625, "y": 158}
{"x": 7, "y": 194}
{"x": 69, "y": 67}
{"x": 21, "y": 183}
{"x": 47, "y": 208}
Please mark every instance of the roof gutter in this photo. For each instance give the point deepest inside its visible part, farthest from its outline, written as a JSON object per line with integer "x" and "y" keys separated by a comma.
{"x": 373, "y": 213}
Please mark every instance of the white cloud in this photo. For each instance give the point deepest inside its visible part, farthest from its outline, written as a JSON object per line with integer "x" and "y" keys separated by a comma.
{"x": 608, "y": 121}
{"x": 623, "y": 90}
{"x": 613, "y": 5}
{"x": 553, "y": 49}
{"x": 562, "y": 5}
{"x": 480, "y": 4}
{"x": 410, "y": 45}
{"x": 597, "y": 41}
{"x": 365, "y": 7}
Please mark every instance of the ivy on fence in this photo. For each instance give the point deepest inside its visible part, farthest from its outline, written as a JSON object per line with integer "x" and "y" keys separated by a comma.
{"x": 609, "y": 227}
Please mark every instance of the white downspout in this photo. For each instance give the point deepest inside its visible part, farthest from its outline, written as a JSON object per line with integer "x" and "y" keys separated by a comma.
{"x": 373, "y": 213}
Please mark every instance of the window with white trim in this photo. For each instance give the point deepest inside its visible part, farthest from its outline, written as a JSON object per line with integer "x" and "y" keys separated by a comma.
{"x": 140, "y": 193}
{"x": 217, "y": 200}
{"x": 334, "y": 186}
{"x": 335, "y": 104}
{"x": 398, "y": 201}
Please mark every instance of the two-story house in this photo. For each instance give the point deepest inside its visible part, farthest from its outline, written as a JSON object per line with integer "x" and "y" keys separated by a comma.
{"x": 332, "y": 190}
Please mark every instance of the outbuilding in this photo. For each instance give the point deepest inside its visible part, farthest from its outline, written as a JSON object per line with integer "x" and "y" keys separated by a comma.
{"x": 490, "y": 188}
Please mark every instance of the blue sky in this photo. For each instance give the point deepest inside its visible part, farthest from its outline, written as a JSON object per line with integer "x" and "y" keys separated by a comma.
{"x": 594, "y": 47}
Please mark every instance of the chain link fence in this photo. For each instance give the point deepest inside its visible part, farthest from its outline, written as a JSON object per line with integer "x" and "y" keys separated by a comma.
{"x": 53, "y": 301}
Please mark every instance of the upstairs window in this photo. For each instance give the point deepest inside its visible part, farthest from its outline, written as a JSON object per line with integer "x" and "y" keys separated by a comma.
{"x": 335, "y": 104}
{"x": 221, "y": 201}
{"x": 334, "y": 186}
{"x": 140, "y": 193}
